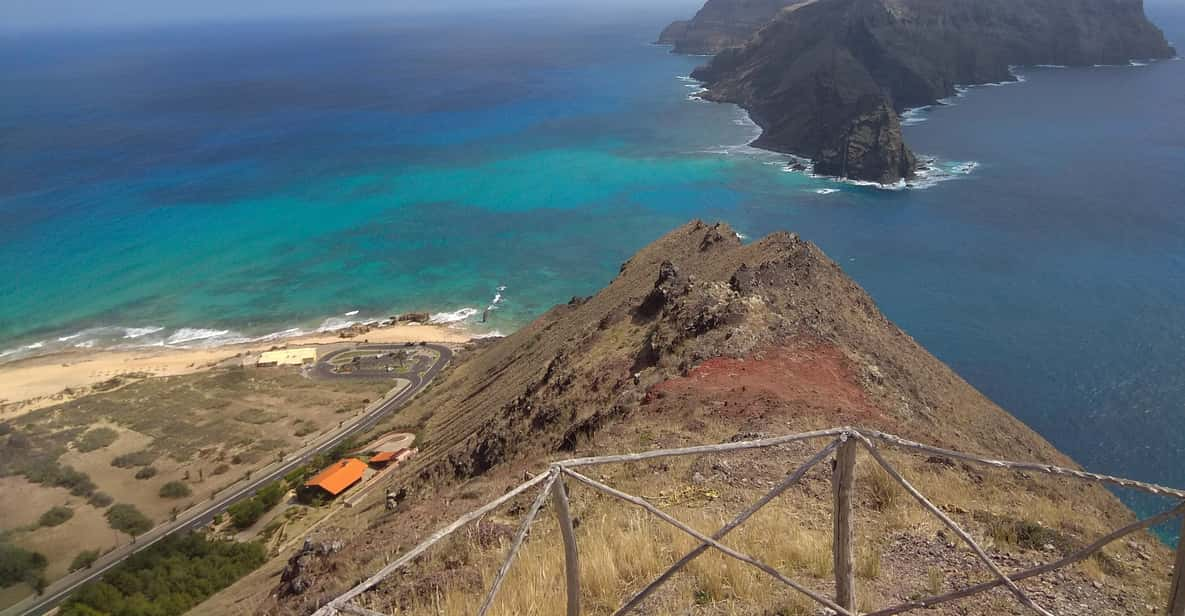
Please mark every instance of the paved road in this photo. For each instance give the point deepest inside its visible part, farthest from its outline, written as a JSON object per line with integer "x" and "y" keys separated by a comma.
{"x": 323, "y": 369}
{"x": 203, "y": 514}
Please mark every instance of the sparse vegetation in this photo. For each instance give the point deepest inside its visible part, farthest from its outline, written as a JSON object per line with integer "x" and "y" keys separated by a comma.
{"x": 53, "y": 474}
{"x": 100, "y": 500}
{"x": 175, "y": 489}
{"x": 1024, "y": 533}
{"x": 127, "y": 519}
{"x": 147, "y": 472}
{"x": 304, "y": 428}
{"x": 935, "y": 579}
{"x": 868, "y": 562}
{"x": 136, "y": 458}
{"x": 55, "y": 516}
{"x": 167, "y": 579}
{"x": 97, "y": 438}
{"x": 84, "y": 560}
{"x": 883, "y": 492}
{"x": 257, "y": 417}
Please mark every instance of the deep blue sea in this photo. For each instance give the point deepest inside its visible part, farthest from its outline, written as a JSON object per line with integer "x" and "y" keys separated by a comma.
{"x": 208, "y": 183}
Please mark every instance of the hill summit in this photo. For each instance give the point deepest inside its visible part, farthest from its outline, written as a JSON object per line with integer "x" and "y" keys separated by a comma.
{"x": 702, "y": 338}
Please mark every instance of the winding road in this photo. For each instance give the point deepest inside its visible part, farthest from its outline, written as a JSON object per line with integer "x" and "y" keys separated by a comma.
{"x": 419, "y": 376}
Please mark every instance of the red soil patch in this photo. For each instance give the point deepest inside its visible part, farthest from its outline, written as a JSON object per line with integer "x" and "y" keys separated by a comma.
{"x": 806, "y": 378}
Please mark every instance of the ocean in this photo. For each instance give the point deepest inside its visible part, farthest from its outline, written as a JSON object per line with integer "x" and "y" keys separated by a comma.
{"x": 204, "y": 184}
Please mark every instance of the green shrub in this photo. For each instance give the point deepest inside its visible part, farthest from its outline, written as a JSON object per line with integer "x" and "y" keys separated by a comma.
{"x": 126, "y": 518}
{"x": 100, "y": 500}
{"x": 55, "y": 516}
{"x": 97, "y": 438}
{"x": 167, "y": 579}
{"x": 134, "y": 459}
{"x": 19, "y": 565}
{"x": 247, "y": 512}
{"x": 84, "y": 560}
{"x": 175, "y": 489}
{"x": 53, "y": 474}
{"x": 148, "y": 472}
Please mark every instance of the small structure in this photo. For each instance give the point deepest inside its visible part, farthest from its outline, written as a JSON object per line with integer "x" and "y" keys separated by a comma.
{"x": 338, "y": 477}
{"x": 288, "y": 357}
{"x": 383, "y": 459}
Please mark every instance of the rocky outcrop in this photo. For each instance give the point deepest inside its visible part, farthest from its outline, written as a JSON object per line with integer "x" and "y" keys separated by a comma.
{"x": 721, "y": 24}
{"x": 296, "y": 576}
{"x": 827, "y": 80}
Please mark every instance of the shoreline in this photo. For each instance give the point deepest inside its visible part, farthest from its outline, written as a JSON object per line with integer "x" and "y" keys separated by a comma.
{"x": 33, "y": 383}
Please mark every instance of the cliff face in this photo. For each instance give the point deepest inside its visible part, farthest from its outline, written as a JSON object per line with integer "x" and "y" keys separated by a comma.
{"x": 721, "y": 24}
{"x": 827, "y": 80}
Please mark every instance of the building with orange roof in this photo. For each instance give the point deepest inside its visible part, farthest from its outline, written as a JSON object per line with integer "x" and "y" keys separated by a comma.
{"x": 383, "y": 458}
{"x": 338, "y": 477}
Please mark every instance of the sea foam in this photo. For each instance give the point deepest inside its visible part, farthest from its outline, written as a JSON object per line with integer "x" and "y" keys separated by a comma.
{"x": 456, "y": 316}
{"x": 186, "y": 335}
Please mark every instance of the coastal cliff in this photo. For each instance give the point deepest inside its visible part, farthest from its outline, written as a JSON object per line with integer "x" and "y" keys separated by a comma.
{"x": 702, "y": 338}
{"x": 721, "y": 24}
{"x": 827, "y": 80}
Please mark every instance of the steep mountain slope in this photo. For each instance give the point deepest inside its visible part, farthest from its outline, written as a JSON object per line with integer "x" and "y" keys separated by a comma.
{"x": 827, "y": 80}
{"x": 699, "y": 339}
{"x": 721, "y": 24}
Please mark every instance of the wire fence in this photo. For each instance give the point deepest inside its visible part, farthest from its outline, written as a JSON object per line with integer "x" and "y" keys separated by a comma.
{"x": 843, "y": 444}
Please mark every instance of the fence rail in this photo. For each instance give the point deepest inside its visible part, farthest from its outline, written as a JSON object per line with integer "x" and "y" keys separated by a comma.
{"x": 844, "y": 444}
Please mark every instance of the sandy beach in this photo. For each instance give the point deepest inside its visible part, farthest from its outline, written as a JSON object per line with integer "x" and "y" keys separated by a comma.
{"x": 38, "y": 382}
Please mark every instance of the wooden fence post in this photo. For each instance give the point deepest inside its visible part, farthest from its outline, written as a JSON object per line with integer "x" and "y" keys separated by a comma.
{"x": 1177, "y": 590}
{"x": 842, "y": 482}
{"x": 559, "y": 494}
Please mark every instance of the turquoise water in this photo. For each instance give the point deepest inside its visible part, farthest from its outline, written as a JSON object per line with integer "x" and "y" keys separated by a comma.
{"x": 204, "y": 184}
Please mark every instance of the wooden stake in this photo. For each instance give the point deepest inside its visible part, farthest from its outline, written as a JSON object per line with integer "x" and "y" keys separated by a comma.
{"x": 1177, "y": 590}
{"x": 523, "y": 529}
{"x": 842, "y": 482}
{"x": 559, "y": 493}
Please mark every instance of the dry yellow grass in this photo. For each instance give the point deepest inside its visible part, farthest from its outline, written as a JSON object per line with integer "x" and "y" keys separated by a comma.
{"x": 623, "y": 548}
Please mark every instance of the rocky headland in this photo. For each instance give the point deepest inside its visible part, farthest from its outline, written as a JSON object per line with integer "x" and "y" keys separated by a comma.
{"x": 827, "y": 80}
{"x": 721, "y": 24}
{"x": 703, "y": 339}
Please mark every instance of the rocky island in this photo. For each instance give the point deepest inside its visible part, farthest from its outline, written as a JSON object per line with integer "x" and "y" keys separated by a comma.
{"x": 827, "y": 80}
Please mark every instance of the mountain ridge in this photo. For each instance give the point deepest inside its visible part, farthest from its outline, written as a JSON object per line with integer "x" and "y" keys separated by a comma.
{"x": 703, "y": 338}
